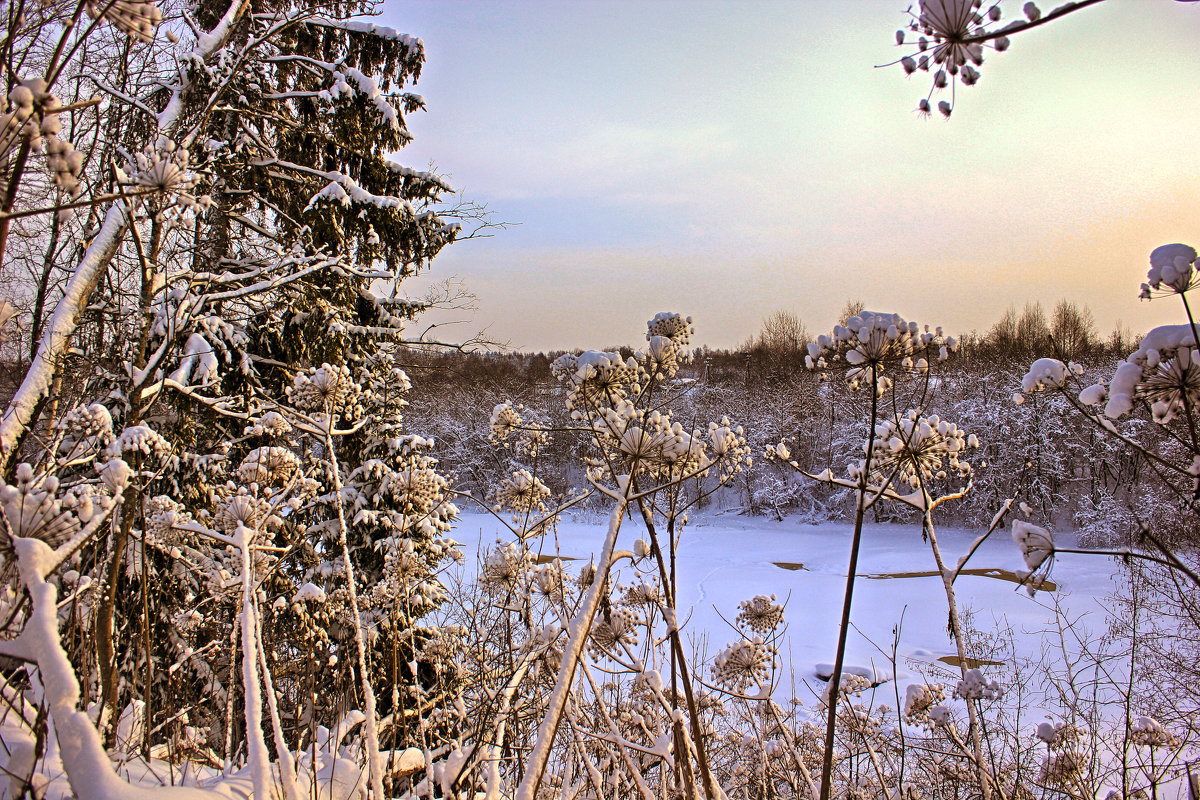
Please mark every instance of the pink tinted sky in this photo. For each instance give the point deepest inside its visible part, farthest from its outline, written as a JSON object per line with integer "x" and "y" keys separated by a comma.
{"x": 725, "y": 159}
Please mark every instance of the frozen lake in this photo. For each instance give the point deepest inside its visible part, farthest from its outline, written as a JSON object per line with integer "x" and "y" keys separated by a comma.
{"x": 724, "y": 559}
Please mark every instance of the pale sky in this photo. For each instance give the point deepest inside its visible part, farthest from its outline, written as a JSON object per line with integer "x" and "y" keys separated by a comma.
{"x": 726, "y": 159}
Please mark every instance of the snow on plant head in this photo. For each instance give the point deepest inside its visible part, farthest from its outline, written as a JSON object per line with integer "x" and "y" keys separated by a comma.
{"x": 268, "y": 466}
{"x": 974, "y": 686}
{"x": 327, "y": 389}
{"x": 1164, "y": 372}
{"x": 852, "y": 684}
{"x": 596, "y": 380}
{"x": 645, "y": 594}
{"x": 506, "y": 568}
{"x": 405, "y": 567}
{"x": 1093, "y": 395}
{"x": 1172, "y": 270}
{"x": 1058, "y": 735}
{"x": 920, "y": 449}
{"x": 245, "y": 510}
{"x": 918, "y": 699}
{"x": 420, "y": 488}
{"x": 880, "y": 341}
{"x": 1064, "y": 769}
{"x": 35, "y": 510}
{"x": 1149, "y": 732}
{"x": 1045, "y": 373}
{"x": 139, "y": 440}
{"x": 618, "y": 628}
{"x": 504, "y": 420}
{"x": 521, "y": 493}
{"x": 85, "y": 427}
{"x": 34, "y": 117}
{"x": 114, "y": 475}
{"x": 1065, "y": 762}
{"x": 744, "y": 664}
{"x": 675, "y": 329}
{"x": 163, "y": 168}
{"x": 729, "y": 443}
{"x": 778, "y": 451}
{"x": 549, "y": 580}
{"x": 633, "y": 440}
{"x": 660, "y": 358}
{"x": 762, "y": 614}
{"x": 162, "y": 514}
{"x": 271, "y": 424}
{"x": 1035, "y": 543}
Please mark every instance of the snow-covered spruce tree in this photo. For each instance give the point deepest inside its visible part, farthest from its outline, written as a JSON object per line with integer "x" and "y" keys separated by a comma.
{"x": 243, "y": 232}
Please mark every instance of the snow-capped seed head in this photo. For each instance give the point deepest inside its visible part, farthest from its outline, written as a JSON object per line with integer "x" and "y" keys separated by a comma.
{"x": 1172, "y": 265}
{"x": 761, "y": 614}
{"x": 919, "y": 698}
{"x": 743, "y": 664}
{"x": 522, "y": 493}
{"x": 975, "y": 686}
{"x": 678, "y": 329}
{"x": 1045, "y": 373}
{"x": 268, "y": 466}
{"x": 1149, "y": 732}
{"x": 504, "y": 420}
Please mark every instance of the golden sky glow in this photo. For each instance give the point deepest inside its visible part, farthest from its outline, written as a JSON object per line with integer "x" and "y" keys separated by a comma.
{"x": 727, "y": 159}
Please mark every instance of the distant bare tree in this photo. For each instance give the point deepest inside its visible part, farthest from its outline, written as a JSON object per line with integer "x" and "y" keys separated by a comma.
{"x": 852, "y": 309}
{"x": 1121, "y": 339}
{"x": 783, "y": 331}
{"x": 1073, "y": 329}
{"x": 1032, "y": 328}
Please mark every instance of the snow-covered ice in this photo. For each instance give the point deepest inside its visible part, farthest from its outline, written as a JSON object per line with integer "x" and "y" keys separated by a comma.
{"x": 725, "y": 559}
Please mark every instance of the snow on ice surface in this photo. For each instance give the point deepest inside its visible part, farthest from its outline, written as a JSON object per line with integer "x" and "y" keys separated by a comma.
{"x": 724, "y": 560}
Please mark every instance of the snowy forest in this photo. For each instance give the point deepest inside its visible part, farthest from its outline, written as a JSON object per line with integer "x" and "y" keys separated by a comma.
{"x": 263, "y": 537}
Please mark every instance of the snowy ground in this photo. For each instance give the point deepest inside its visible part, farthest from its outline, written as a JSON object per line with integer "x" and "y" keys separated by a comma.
{"x": 725, "y": 559}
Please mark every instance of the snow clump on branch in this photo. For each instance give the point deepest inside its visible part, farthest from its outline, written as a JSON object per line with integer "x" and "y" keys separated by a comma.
{"x": 1035, "y": 543}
